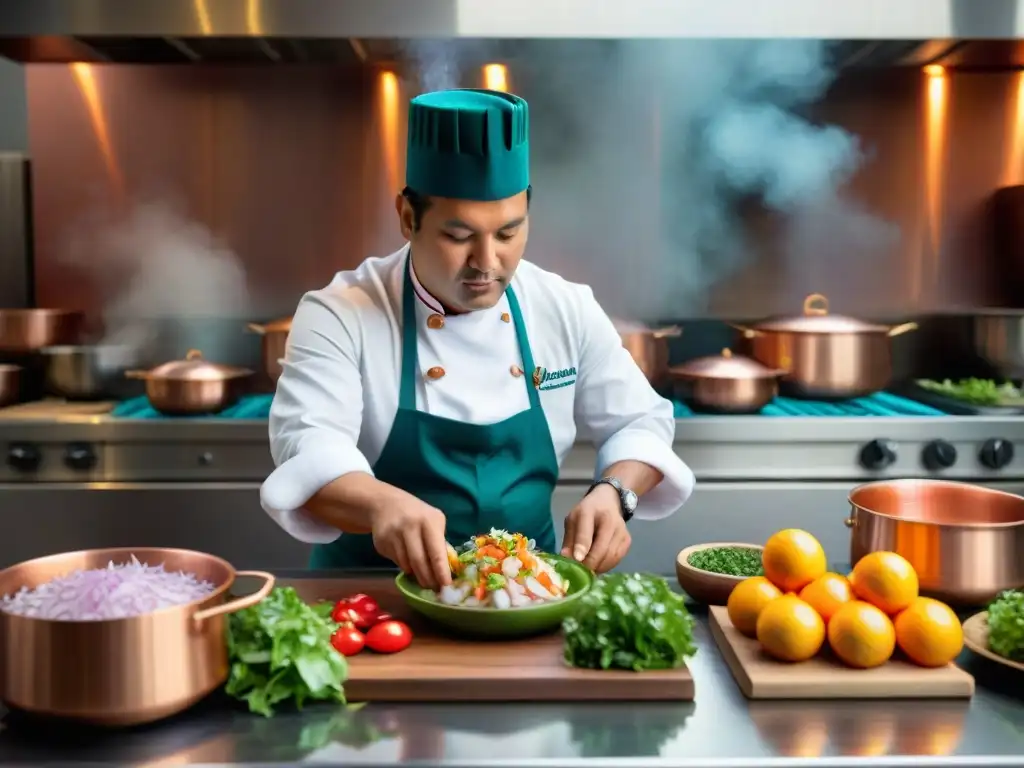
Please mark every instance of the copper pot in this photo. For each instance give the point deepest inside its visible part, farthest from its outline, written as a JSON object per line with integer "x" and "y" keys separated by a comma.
{"x": 649, "y": 348}
{"x": 29, "y": 330}
{"x": 274, "y": 343}
{"x": 725, "y": 383}
{"x": 966, "y": 542}
{"x": 10, "y": 385}
{"x": 826, "y": 356}
{"x": 191, "y": 386}
{"x": 119, "y": 671}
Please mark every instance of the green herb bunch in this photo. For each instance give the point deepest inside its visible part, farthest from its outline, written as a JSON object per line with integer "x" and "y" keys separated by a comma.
{"x": 1006, "y": 625}
{"x": 280, "y": 649}
{"x": 629, "y": 621}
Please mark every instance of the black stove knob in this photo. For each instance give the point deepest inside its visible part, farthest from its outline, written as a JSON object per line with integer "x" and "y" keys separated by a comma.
{"x": 24, "y": 457}
{"x": 878, "y": 454}
{"x": 939, "y": 454}
{"x": 80, "y": 456}
{"x": 996, "y": 453}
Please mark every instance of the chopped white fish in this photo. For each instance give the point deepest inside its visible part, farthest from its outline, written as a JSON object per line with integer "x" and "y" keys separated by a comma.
{"x": 510, "y": 567}
{"x": 537, "y": 589}
{"x": 517, "y": 593}
{"x": 454, "y": 594}
{"x": 470, "y": 573}
{"x": 500, "y": 599}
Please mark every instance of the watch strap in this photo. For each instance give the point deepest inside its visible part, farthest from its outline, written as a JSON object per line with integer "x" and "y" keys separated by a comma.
{"x": 624, "y": 510}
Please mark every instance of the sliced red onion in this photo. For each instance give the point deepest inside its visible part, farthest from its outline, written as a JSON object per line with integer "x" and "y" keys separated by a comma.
{"x": 114, "y": 592}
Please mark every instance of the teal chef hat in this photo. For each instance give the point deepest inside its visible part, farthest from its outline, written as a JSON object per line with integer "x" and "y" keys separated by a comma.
{"x": 468, "y": 144}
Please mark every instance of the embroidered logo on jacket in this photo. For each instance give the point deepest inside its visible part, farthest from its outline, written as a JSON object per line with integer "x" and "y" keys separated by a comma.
{"x": 543, "y": 379}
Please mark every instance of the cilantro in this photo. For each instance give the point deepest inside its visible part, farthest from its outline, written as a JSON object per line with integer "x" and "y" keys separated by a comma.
{"x": 495, "y": 581}
{"x": 629, "y": 621}
{"x": 281, "y": 649}
{"x": 1006, "y": 625}
{"x": 467, "y": 556}
{"x": 488, "y": 560}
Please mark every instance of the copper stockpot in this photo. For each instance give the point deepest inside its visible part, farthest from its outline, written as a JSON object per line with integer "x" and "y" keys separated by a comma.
{"x": 725, "y": 383}
{"x": 29, "y": 330}
{"x": 274, "y": 343}
{"x": 965, "y": 541}
{"x": 649, "y": 348}
{"x": 826, "y": 356}
{"x": 119, "y": 671}
{"x": 10, "y": 384}
{"x": 191, "y": 386}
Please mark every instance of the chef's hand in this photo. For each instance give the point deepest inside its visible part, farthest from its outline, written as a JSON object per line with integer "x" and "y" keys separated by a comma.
{"x": 410, "y": 533}
{"x": 595, "y": 532}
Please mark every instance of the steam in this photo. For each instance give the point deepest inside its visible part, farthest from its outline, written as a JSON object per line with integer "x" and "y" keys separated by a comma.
{"x": 161, "y": 277}
{"x": 649, "y": 156}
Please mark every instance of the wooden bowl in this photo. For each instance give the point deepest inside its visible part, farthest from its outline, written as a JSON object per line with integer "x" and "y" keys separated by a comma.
{"x": 704, "y": 586}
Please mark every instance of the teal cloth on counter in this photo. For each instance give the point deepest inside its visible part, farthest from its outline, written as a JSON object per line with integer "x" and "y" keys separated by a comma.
{"x": 879, "y": 404}
{"x": 249, "y": 407}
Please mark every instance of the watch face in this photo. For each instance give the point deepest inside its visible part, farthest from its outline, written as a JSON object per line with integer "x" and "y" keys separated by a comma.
{"x": 629, "y": 500}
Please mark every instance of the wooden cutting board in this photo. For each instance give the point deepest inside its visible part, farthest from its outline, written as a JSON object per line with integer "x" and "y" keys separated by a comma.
{"x": 760, "y": 677}
{"x": 55, "y": 409}
{"x": 441, "y": 668}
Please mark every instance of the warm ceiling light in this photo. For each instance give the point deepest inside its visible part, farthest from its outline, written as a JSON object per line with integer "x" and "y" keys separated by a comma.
{"x": 935, "y": 70}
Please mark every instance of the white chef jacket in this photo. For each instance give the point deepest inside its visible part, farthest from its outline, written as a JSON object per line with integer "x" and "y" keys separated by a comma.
{"x": 338, "y": 392}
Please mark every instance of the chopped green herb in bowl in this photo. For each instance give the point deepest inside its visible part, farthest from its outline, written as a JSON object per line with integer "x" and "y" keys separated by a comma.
{"x": 708, "y": 572}
{"x": 1006, "y": 625}
{"x": 729, "y": 561}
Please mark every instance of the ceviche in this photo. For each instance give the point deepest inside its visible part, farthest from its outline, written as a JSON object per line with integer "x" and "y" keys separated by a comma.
{"x": 500, "y": 570}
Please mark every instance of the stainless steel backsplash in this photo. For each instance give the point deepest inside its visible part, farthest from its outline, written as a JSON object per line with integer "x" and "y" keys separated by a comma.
{"x": 294, "y": 170}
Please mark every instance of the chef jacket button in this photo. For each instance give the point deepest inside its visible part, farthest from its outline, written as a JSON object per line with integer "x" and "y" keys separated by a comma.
{"x": 516, "y": 371}
{"x": 435, "y": 373}
{"x": 505, "y": 318}
{"x": 435, "y": 321}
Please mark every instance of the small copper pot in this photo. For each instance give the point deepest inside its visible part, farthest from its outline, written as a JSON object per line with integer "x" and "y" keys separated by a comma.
{"x": 274, "y": 343}
{"x": 29, "y": 330}
{"x": 649, "y": 348}
{"x": 826, "y": 356}
{"x": 966, "y": 542}
{"x": 119, "y": 671}
{"x": 10, "y": 384}
{"x": 725, "y": 383}
{"x": 191, "y": 386}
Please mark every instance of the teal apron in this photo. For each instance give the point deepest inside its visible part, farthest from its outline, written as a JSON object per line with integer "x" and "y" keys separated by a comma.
{"x": 481, "y": 476}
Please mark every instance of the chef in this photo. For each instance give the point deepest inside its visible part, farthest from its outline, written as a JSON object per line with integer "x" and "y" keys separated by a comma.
{"x": 433, "y": 394}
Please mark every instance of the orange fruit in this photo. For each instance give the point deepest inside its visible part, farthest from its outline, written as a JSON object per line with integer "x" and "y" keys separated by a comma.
{"x": 929, "y": 633}
{"x": 861, "y": 635}
{"x": 788, "y": 629}
{"x": 886, "y": 580}
{"x": 746, "y": 602}
{"x": 792, "y": 559}
{"x": 827, "y": 594}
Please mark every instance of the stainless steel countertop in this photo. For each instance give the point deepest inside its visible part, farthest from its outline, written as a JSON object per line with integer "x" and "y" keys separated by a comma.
{"x": 720, "y": 729}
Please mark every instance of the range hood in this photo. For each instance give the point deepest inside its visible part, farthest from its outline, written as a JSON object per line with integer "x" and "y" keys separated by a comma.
{"x": 869, "y": 33}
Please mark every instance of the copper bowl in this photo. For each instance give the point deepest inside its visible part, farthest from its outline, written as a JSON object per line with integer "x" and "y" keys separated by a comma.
{"x": 119, "y": 671}
{"x": 708, "y": 587}
{"x": 966, "y": 542}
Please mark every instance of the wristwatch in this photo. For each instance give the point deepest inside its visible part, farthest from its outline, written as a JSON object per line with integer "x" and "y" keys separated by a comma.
{"x": 627, "y": 498}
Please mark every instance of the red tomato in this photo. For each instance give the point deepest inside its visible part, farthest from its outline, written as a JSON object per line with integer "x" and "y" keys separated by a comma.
{"x": 344, "y": 613}
{"x": 348, "y": 641}
{"x": 367, "y": 621}
{"x": 364, "y": 604}
{"x": 389, "y": 637}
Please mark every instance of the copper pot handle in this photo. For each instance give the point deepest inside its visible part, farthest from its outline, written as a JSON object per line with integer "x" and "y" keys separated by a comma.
{"x": 670, "y": 332}
{"x": 901, "y": 329}
{"x": 233, "y": 606}
{"x": 256, "y": 328}
{"x": 136, "y": 374}
{"x": 849, "y": 522}
{"x": 193, "y": 354}
{"x": 816, "y": 304}
{"x": 748, "y": 333}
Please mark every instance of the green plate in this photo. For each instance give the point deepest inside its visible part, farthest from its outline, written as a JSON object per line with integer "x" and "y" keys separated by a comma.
{"x": 507, "y": 622}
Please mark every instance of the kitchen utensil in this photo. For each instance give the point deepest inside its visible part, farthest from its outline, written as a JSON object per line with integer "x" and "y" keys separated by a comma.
{"x": 999, "y": 341}
{"x": 29, "y": 330}
{"x": 10, "y": 384}
{"x": 191, "y": 386}
{"x": 976, "y": 639}
{"x": 119, "y": 671}
{"x": 705, "y": 586}
{"x": 273, "y": 344}
{"x": 649, "y": 348}
{"x": 725, "y": 383}
{"x": 446, "y": 665}
{"x": 823, "y": 677}
{"x": 510, "y": 622}
{"x": 85, "y": 372}
{"x": 965, "y": 541}
{"x": 826, "y": 356}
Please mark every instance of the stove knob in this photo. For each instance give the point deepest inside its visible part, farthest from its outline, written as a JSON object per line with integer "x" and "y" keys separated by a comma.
{"x": 878, "y": 454}
{"x": 80, "y": 456}
{"x": 24, "y": 457}
{"x": 939, "y": 454}
{"x": 996, "y": 453}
